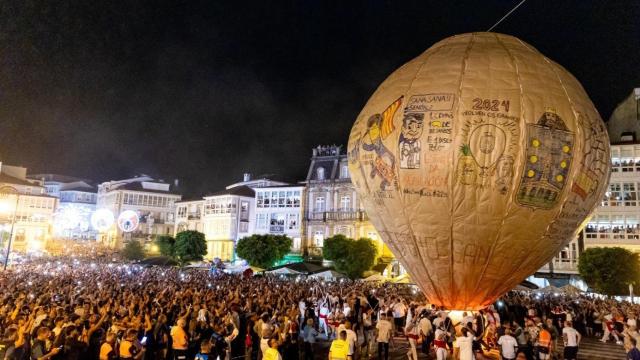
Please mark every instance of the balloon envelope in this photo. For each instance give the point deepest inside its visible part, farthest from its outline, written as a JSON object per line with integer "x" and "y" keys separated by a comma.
{"x": 477, "y": 162}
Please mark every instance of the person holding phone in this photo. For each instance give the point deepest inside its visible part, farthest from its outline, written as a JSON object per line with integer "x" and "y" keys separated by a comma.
{"x": 39, "y": 350}
{"x": 130, "y": 348}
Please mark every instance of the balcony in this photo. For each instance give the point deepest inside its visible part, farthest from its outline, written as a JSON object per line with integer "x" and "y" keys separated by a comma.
{"x": 276, "y": 228}
{"x": 337, "y": 216}
{"x": 194, "y": 216}
{"x": 561, "y": 266}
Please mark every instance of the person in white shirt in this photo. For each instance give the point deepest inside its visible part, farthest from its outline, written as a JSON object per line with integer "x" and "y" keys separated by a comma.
{"x": 508, "y": 345}
{"x": 426, "y": 330}
{"x": 571, "y": 341}
{"x": 412, "y": 331}
{"x": 383, "y": 335}
{"x": 464, "y": 344}
{"x": 323, "y": 314}
{"x": 352, "y": 339}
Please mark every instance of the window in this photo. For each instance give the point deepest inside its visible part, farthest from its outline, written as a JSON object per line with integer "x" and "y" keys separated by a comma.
{"x": 182, "y": 211}
{"x": 244, "y": 210}
{"x": 292, "y": 221}
{"x": 629, "y": 194}
{"x": 320, "y": 173}
{"x": 319, "y": 204}
{"x": 344, "y": 172}
{"x": 267, "y": 200}
{"x": 276, "y": 223}
{"x": 318, "y": 238}
{"x": 614, "y": 194}
{"x": 372, "y": 235}
{"x": 244, "y": 227}
{"x": 281, "y": 199}
{"x": 296, "y": 243}
{"x": 259, "y": 199}
{"x": 345, "y": 203}
{"x": 261, "y": 221}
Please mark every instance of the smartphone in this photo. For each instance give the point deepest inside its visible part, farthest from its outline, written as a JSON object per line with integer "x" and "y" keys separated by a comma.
{"x": 144, "y": 340}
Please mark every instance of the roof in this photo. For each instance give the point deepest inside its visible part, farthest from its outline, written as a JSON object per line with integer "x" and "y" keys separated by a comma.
{"x": 238, "y": 191}
{"x": 137, "y": 186}
{"x": 281, "y": 186}
{"x": 304, "y": 268}
{"x": 57, "y": 178}
{"x": 4, "y": 178}
{"x": 89, "y": 189}
{"x": 625, "y": 118}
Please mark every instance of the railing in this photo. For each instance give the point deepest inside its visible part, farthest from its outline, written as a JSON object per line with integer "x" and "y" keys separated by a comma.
{"x": 561, "y": 266}
{"x": 194, "y": 216}
{"x": 276, "y": 228}
{"x": 337, "y": 216}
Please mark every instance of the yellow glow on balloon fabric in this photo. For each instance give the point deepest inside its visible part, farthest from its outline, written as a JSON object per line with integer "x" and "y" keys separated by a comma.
{"x": 477, "y": 162}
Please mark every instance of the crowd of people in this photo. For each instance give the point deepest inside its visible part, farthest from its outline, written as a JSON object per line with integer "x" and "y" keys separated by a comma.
{"x": 86, "y": 309}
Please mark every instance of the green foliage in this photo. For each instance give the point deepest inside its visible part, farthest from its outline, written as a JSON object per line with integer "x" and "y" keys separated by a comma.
{"x": 190, "y": 245}
{"x": 166, "y": 245}
{"x": 263, "y": 250}
{"x": 609, "y": 270}
{"x": 351, "y": 257}
{"x": 133, "y": 250}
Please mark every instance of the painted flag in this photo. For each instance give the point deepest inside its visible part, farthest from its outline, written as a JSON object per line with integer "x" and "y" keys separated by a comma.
{"x": 387, "y": 127}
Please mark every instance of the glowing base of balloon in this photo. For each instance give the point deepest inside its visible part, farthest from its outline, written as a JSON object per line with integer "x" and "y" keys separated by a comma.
{"x": 457, "y": 317}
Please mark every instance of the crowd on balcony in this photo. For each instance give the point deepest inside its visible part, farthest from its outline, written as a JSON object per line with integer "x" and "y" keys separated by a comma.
{"x": 631, "y": 231}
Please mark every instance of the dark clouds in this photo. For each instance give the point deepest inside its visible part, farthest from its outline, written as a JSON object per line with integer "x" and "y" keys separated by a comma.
{"x": 205, "y": 90}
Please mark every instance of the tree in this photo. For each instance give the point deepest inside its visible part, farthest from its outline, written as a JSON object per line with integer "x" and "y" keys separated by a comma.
{"x": 351, "y": 257}
{"x": 609, "y": 270}
{"x": 166, "y": 245}
{"x": 263, "y": 250}
{"x": 190, "y": 245}
{"x": 133, "y": 250}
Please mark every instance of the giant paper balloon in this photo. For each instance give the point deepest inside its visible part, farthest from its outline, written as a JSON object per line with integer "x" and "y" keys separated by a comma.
{"x": 477, "y": 162}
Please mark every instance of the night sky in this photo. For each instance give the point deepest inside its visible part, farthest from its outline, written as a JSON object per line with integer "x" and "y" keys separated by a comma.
{"x": 206, "y": 90}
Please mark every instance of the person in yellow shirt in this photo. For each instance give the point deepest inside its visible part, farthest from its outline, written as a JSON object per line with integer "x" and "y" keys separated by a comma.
{"x": 107, "y": 350}
{"x": 180, "y": 340}
{"x": 340, "y": 348}
{"x": 272, "y": 352}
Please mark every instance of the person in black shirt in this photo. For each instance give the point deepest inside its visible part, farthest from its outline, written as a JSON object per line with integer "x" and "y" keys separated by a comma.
{"x": 39, "y": 350}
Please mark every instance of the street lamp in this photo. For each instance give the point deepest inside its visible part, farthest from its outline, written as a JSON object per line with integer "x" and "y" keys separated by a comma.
{"x": 5, "y": 207}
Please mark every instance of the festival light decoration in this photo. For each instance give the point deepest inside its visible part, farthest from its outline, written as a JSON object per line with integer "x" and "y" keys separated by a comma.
{"x": 477, "y": 162}
{"x": 128, "y": 220}
{"x": 102, "y": 220}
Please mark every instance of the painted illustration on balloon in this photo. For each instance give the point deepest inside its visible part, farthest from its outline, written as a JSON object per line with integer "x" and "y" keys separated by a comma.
{"x": 409, "y": 142}
{"x": 488, "y": 152}
{"x": 504, "y": 174}
{"x": 379, "y": 127}
{"x": 596, "y": 158}
{"x": 549, "y": 154}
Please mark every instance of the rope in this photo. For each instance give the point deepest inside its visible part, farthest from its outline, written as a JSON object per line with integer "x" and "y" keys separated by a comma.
{"x": 504, "y": 17}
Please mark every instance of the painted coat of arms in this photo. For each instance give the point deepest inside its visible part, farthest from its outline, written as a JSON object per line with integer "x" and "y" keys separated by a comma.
{"x": 549, "y": 154}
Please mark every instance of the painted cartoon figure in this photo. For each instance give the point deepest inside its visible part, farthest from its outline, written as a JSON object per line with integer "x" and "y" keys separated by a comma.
{"x": 384, "y": 162}
{"x": 409, "y": 142}
{"x": 504, "y": 173}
